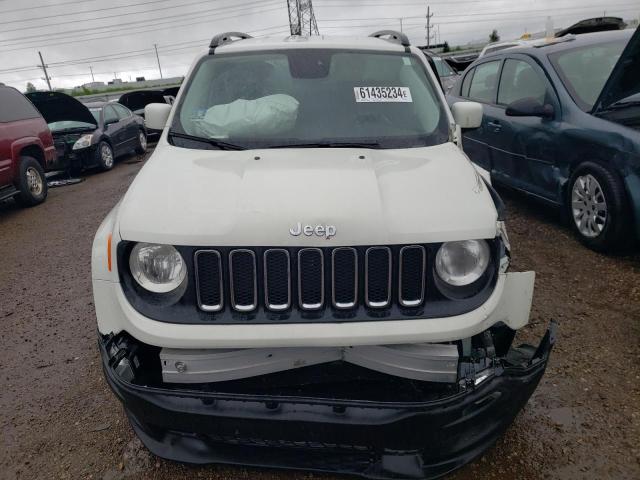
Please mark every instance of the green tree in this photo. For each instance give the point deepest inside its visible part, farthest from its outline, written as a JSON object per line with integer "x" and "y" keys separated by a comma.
{"x": 31, "y": 87}
{"x": 446, "y": 48}
{"x": 494, "y": 37}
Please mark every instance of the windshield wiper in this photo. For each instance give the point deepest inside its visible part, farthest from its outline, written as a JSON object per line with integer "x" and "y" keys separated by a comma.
{"x": 210, "y": 141}
{"x": 329, "y": 145}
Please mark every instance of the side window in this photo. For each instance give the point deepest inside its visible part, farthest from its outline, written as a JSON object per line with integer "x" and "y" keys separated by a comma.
{"x": 123, "y": 112}
{"x": 464, "y": 92}
{"x": 519, "y": 80}
{"x": 484, "y": 82}
{"x": 110, "y": 115}
{"x": 15, "y": 106}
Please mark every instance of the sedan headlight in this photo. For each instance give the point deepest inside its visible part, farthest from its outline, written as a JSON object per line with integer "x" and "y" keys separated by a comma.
{"x": 462, "y": 263}
{"x": 157, "y": 268}
{"x": 83, "y": 142}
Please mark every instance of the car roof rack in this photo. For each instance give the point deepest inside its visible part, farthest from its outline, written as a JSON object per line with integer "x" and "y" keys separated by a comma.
{"x": 226, "y": 37}
{"x": 393, "y": 36}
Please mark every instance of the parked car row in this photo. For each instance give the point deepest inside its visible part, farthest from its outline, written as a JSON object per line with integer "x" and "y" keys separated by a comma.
{"x": 562, "y": 123}
{"x": 45, "y": 131}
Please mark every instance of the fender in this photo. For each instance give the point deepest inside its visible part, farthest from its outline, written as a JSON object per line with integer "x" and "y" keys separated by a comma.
{"x": 21, "y": 143}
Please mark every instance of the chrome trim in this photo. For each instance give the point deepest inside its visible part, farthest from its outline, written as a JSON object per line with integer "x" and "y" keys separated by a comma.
{"x": 411, "y": 303}
{"x": 311, "y": 306}
{"x": 333, "y": 279}
{"x": 243, "y": 308}
{"x": 203, "y": 307}
{"x": 366, "y": 279}
{"x": 266, "y": 281}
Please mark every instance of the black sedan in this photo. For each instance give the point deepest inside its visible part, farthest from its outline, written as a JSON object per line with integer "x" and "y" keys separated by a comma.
{"x": 562, "y": 123}
{"x": 90, "y": 135}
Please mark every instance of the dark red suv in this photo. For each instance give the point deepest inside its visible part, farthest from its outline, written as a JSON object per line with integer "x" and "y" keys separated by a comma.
{"x": 26, "y": 149}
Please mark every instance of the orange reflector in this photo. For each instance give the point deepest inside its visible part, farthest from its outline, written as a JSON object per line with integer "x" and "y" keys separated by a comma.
{"x": 109, "y": 252}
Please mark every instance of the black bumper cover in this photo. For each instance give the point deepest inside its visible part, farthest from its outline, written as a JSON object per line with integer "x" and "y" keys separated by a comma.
{"x": 370, "y": 439}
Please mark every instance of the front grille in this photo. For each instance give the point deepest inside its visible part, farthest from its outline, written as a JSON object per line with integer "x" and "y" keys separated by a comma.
{"x": 310, "y": 279}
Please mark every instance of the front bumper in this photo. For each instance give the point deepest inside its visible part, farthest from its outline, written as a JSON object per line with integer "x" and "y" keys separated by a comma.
{"x": 374, "y": 439}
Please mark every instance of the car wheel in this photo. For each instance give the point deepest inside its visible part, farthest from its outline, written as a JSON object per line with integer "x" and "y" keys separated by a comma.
{"x": 32, "y": 183}
{"x": 142, "y": 143}
{"x": 597, "y": 205}
{"x": 105, "y": 156}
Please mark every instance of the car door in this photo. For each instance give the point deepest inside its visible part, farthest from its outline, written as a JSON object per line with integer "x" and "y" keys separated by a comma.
{"x": 128, "y": 124}
{"x": 114, "y": 129}
{"x": 522, "y": 148}
{"x": 480, "y": 85}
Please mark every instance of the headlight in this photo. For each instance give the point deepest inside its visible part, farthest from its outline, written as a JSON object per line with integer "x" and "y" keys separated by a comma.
{"x": 462, "y": 263}
{"x": 157, "y": 268}
{"x": 83, "y": 142}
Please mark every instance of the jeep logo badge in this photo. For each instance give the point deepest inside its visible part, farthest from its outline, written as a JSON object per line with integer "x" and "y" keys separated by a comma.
{"x": 326, "y": 231}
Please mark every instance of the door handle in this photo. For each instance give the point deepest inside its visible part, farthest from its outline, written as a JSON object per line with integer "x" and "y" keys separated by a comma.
{"x": 496, "y": 126}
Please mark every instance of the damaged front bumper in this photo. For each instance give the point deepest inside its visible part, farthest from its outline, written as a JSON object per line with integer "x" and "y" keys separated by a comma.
{"x": 404, "y": 429}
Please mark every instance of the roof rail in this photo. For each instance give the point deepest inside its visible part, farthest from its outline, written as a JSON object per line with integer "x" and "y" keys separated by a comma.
{"x": 226, "y": 37}
{"x": 394, "y": 36}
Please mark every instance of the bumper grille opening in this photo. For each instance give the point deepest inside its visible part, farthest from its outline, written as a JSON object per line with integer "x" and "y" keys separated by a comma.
{"x": 277, "y": 279}
{"x": 242, "y": 270}
{"x": 413, "y": 260}
{"x": 344, "y": 263}
{"x": 378, "y": 277}
{"x": 311, "y": 278}
{"x": 209, "y": 280}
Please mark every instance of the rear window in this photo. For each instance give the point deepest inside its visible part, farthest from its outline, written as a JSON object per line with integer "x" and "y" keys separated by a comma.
{"x": 15, "y": 106}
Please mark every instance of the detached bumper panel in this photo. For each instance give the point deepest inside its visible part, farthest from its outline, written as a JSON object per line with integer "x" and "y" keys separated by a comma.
{"x": 373, "y": 439}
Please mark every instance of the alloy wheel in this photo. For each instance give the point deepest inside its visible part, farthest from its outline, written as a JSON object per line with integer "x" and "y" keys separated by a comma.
{"x": 143, "y": 141}
{"x": 34, "y": 181}
{"x": 588, "y": 206}
{"x": 107, "y": 155}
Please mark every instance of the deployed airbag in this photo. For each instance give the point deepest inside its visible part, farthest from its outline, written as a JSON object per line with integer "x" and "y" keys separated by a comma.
{"x": 263, "y": 116}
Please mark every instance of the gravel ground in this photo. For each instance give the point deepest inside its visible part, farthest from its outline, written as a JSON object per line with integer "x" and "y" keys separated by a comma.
{"x": 60, "y": 420}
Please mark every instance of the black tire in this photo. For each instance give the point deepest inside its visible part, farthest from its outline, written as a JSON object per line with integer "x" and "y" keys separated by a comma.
{"x": 613, "y": 223}
{"x": 32, "y": 183}
{"x": 105, "y": 160}
{"x": 141, "y": 147}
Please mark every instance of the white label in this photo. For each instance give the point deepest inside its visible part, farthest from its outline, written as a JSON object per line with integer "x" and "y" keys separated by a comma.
{"x": 382, "y": 94}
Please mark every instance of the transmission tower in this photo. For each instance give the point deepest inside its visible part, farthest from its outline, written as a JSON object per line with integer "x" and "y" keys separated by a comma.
{"x": 302, "y": 20}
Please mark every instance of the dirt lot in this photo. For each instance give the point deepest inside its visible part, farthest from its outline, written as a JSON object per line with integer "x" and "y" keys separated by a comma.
{"x": 60, "y": 420}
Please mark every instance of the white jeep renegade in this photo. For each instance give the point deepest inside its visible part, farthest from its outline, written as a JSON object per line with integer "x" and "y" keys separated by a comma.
{"x": 309, "y": 273}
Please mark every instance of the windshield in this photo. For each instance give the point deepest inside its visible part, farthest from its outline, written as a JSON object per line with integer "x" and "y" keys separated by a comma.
{"x": 69, "y": 125}
{"x": 311, "y": 96}
{"x": 444, "y": 70}
{"x": 585, "y": 70}
{"x": 96, "y": 113}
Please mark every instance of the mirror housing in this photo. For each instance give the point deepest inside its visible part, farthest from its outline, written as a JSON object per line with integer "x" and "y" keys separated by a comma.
{"x": 467, "y": 114}
{"x": 529, "y": 107}
{"x": 156, "y": 115}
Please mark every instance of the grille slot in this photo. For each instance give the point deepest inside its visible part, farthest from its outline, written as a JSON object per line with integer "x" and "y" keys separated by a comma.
{"x": 377, "y": 278}
{"x": 413, "y": 259}
{"x": 209, "y": 280}
{"x": 310, "y": 278}
{"x": 344, "y": 277}
{"x": 277, "y": 279}
{"x": 242, "y": 271}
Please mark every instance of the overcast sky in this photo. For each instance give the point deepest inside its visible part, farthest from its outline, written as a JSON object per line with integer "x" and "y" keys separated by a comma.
{"x": 118, "y": 36}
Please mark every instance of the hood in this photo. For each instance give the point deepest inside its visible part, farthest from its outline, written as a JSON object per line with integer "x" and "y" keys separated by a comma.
{"x": 58, "y": 107}
{"x": 139, "y": 99}
{"x": 227, "y": 198}
{"x": 623, "y": 81}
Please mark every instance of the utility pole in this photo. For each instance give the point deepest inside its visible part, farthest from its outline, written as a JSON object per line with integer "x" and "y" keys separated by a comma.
{"x": 400, "y": 24}
{"x": 91, "y": 69}
{"x": 44, "y": 69}
{"x": 158, "y": 58}
{"x": 429, "y": 15}
{"x": 302, "y": 19}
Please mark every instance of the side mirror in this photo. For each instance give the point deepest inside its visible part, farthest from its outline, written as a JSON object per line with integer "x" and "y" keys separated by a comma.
{"x": 156, "y": 115}
{"x": 529, "y": 107}
{"x": 467, "y": 114}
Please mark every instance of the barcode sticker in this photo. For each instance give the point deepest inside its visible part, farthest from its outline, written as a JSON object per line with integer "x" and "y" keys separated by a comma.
{"x": 382, "y": 94}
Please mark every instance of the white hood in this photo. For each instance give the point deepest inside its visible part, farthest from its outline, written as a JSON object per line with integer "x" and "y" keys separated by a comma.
{"x": 372, "y": 197}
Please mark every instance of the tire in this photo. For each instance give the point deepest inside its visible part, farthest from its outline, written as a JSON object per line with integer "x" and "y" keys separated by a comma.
{"x": 597, "y": 208}
{"x": 104, "y": 156}
{"x": 32, "y": 183}
{"x": 141, "y": 147}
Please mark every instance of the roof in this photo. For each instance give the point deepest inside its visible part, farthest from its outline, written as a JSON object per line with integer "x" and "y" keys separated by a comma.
{"x": 95, "y": 104}
{"x": 542, "y": 47}
{"x": 316, "y": 41}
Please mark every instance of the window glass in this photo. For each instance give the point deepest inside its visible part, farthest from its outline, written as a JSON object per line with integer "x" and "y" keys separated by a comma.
{"x": 466, "y": 83}
{"x": 123, "y": 112}
{"x": 519, "y": 80}
{"x": 110, "y": 115}
{"x": 309, "y": 96}
{"x": 585, "y": 70}
{"x": 444, "y": 70}
{"x": 484, "y": 82}
{"x": 14, "y": 106}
